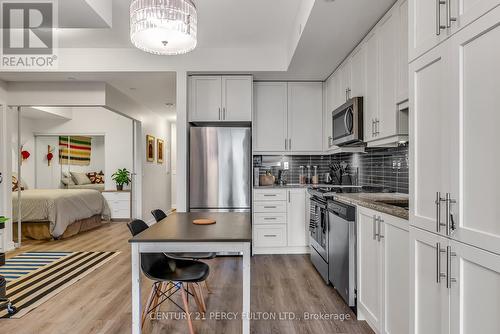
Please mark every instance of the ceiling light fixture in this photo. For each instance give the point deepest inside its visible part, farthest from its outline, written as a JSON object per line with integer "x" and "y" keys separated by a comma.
{"x": 163, "y": 27}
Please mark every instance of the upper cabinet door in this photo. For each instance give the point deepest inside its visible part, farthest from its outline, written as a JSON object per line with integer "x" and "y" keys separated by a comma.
{"x": 429, "y": 297}
{"x": 474, "y": 156}
{"x": 387, "y": 59}
{"x": 270, "y": 117}
{"x": 305, "y": 116}
{"x": 237, "y": 98}
{"x": 205, "y": 99}
{"x": 429, "y": 134}
{"x": 402, "y": 36}
{"x": 466, "y": 11}
{"x": 370, "y": 112}
{"x": 344, "y": 92}
{"x": 476, "y": 275}
{"x": 358, "y": 80}
{"x": 426, "y": 31}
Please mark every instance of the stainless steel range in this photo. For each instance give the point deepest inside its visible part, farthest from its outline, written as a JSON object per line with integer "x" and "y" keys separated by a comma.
{"x": 319, "y": 226}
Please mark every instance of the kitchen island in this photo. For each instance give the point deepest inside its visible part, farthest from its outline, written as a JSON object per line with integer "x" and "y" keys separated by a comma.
{"x": 232, "y": 232}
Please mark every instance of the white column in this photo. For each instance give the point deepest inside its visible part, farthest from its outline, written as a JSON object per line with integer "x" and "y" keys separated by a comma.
{"x": 136, "y": 289}
{"x": 182, "y": 142}
{"x": 246, "y": 289}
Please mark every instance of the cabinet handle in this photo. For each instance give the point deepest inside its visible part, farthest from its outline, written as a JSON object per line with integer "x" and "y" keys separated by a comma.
{"x": 269, "y": 218}
{"x": 220, "y": 117}
{"x": 449, "y": 222}
{"x": 449, "y": 18}
{"x": 375, "y": 235}
{"x": 224, "y": 113}
{"x": 269, "y": 195}
{"x": 289, "y": 196}
{"x": 439, "y": 26}
{"x": 438, "y": 201}
{"x": 379, "y": 223}
{"x": 269, "y": 207}
{"x": 270, "y": 235}
{"x": 286, "y": 144}
{"x": 290, "y": 144}
{"x": 449, "y": 255}
{"x": 330, "y": 139}
{"x": 439, "y": 274}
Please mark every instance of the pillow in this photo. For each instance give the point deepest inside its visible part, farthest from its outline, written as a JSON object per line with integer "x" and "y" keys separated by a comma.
{"x": 16, "y": 183}
{"x": 96, "y": 178}
{"x": 80, "y": 178}
{"x": 67, "y": 181}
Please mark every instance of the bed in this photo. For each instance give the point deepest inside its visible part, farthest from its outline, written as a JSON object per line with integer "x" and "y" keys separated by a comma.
{"x": 59, "y": 213}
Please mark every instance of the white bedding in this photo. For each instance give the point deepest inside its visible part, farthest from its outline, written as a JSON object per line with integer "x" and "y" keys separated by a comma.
{"x": 60, "y": 207}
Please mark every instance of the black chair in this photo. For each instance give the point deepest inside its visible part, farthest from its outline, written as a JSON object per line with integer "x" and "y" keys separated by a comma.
{"x": 159, "y": 214}
{"x": 170, "y": 275}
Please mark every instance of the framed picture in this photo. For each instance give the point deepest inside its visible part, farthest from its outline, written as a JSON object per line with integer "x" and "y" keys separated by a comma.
{"x": 150, "y": 148}
{"x": 160, "y": 150}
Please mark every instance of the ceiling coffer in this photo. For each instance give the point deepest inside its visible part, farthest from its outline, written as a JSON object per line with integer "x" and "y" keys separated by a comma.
{"x": 163, "y": 27}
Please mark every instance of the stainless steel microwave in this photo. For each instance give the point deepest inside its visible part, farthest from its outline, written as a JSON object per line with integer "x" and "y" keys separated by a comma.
{"x": 347, "y": 123}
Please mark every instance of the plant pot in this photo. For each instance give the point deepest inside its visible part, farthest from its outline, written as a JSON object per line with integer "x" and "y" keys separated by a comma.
{"x": 119, "y": 187}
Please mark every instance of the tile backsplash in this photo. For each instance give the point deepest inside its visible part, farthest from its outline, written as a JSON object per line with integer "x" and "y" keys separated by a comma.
{"x": 378, "y": 167}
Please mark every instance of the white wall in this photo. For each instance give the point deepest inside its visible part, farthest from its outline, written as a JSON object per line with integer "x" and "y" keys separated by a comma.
{"x": 156, "y": 183}
{"x": 5, "y": 167}
{"x": 116, "y": 129}
{"x": 173, "y": 162}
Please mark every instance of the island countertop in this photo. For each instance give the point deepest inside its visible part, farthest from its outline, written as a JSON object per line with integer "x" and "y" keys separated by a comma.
{"x": 179, "y": 227}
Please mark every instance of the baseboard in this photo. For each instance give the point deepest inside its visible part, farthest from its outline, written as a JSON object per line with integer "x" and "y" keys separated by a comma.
{"x": 280, "y": 250}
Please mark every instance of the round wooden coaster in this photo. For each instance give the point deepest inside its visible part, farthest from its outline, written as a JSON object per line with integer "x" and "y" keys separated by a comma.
{"x": 203, "y": 221}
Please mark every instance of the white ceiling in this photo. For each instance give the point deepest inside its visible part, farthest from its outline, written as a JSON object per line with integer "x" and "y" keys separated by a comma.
{"x": 221, "y": 24}
{"x": 151, "y": 89}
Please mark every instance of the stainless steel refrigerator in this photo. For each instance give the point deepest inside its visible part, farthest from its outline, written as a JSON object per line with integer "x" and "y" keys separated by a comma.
{"x": 220, "y": 169}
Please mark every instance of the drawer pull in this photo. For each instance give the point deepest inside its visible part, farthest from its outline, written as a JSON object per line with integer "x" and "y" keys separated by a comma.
{"x": 270, "y": 235}
{"x": 269, "y": 195}
{"x": 270, "y": 218}
{"x": 270, "y": 207}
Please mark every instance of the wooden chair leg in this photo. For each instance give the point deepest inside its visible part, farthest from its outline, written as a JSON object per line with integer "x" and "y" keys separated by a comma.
{"x": 186, "y": 308}
{"x": 206, "y": 286}
{"x": 202, "y": 297}
{"x": 197, "y": 298}
{"x": 147, "y": 305}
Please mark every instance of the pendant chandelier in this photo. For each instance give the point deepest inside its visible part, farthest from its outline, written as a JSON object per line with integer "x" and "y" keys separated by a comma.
{"x": 163, "y": 27}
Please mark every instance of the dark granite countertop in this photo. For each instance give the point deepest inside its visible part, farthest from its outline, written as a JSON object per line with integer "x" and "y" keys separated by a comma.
{"x": 179, "y": 227}
{"x": 378, "y": 202}
{"x": 297, "y": 185}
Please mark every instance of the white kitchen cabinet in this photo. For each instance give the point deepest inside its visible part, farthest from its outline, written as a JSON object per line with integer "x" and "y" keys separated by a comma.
{"x": 371, "y": 98}
{"x": 205, "y": 98}
{"x": 429, "y": 297}
{"x": 383, "y": 271}
{"x": 237, "y": 98}
{"x": 280, "y": 223}
{"x": 298, "y": 227}
{"x": 288, "y": 117}
{"x": 345, "y": 82}
{"x": 305, "y": 116}
{"x": 331, "y": 89}
{"x": 387, "y": 68}
{"x": 426, "y": 31}
{"x": 358, "y": 82}
{"x": 474, "y": 289}
{"x": 449, "y": 280}
{"x": 220, "y": 98}
{"x": 395, "y": 275}
{"x": 369, "y": 269}
{"x": 473, "y": 165}
{"x": 402, "y": 51}
{"x": 119, "y": 203}
{"x": 430, "y": 134}
{"x": 270, "y": 117}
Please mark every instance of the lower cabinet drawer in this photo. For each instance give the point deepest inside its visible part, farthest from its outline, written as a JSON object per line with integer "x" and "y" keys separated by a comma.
{"x": 269, "y": 218}
{"x": 269, "y": 235}
{"x": 278, "y": 207}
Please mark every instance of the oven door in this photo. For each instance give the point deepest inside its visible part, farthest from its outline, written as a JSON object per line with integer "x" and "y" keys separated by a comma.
{"x": 346, "y": 122}
{"x": 319, "y": 229}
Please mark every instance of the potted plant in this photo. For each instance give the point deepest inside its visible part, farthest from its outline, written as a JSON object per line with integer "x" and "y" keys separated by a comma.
{"x": 121, "y": 177}
{"x": 2, "y": 221}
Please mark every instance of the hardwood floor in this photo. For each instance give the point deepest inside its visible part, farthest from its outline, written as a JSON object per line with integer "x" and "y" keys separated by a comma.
{"x": 100, "y": 302}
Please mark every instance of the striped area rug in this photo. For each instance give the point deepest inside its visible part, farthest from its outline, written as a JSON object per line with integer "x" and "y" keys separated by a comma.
{"x": 25, "y": 263}
{"x": 33, "y": 288}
